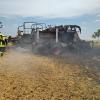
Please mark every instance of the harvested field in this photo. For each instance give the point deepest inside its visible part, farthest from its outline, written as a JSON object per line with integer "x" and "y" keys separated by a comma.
{"x": 24, "y": 76}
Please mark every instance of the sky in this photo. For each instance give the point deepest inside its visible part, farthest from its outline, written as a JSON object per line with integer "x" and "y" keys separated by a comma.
{"x": 85, "y": 13}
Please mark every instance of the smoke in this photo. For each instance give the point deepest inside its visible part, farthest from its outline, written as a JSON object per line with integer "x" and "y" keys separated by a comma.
{"x": 20, "y": 59}
{"x": 16, "y": 60}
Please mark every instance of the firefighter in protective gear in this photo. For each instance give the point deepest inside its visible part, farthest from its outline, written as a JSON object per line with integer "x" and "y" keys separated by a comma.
{"x": 2, "y": 44}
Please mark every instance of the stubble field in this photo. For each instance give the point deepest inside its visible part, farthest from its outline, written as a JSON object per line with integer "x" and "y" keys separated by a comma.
{"x": 25, "y": 76}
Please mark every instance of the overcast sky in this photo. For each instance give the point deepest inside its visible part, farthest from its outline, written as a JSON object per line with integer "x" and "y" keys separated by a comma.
{"x": 82, "y": 12}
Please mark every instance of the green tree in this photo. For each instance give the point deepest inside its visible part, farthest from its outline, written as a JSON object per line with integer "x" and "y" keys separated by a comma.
{"x": 96, "y": 34}
{"x": 93, "y": 36}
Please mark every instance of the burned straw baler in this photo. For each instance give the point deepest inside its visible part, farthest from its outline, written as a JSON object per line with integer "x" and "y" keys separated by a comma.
{"x": 51, "y": 39}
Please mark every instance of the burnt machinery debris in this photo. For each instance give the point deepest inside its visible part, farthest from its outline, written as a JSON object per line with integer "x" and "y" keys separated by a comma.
{"x": 50, "y": 39}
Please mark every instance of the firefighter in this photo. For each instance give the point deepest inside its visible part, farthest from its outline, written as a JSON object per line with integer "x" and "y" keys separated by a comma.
{"x": 2, "y": 44}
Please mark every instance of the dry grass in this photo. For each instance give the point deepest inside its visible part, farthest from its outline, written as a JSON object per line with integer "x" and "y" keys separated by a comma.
{"x": 97, "y": 44}
{"x": 24, "y": 76}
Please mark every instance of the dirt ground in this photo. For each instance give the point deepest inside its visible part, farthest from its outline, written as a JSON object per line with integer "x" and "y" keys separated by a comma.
{"x": 24, "y": 76}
